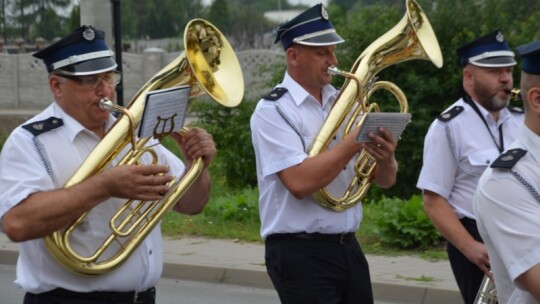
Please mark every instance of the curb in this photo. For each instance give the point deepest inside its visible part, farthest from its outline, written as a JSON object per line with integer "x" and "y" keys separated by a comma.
{"x": 259, "y": 279}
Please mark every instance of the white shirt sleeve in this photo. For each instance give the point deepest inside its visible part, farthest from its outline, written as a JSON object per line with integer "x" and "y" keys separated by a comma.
{"x": 280, "y": 147}
{"x": 440, "y": 164}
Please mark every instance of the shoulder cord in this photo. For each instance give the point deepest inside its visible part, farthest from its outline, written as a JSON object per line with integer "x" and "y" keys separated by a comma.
{"x": 289, "y": 122}
{"x": 500, "y": 146}
{"x": 452, "y": 145}
{"x": 527, "y": 185}
{"x": 41, "y": 153}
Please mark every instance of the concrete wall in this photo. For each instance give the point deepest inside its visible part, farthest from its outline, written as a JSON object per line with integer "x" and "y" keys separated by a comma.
{"x": 24, "y": 89}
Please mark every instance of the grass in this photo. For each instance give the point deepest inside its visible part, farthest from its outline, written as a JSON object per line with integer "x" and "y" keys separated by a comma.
{"x": 422, "y": 278}
{"x": 234, "y": 215}
{"x": 178, "y": 225}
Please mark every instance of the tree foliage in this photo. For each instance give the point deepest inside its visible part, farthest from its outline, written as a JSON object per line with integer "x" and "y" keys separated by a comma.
{"x": 241, "y": 20}
{"x": 32, "y": 18}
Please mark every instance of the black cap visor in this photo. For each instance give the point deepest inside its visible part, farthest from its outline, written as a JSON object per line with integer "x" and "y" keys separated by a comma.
{"x": 325, "y": 39}
{"x": 495, "y": 62}
{"x": 89, "y": 67}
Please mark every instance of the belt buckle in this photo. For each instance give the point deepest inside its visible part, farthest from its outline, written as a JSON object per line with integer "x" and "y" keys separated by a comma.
{"x": 137, "y": 298}
{"x": 343, "y": 238}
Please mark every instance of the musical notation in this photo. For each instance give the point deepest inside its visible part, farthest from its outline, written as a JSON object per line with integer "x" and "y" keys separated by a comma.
{"x": 164, "y": 111}
{"x": 394, "y": 122}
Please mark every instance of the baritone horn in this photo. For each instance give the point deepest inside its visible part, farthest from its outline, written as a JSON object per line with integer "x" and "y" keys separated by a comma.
{"x": 208, "y": 66}
{"x": 412, "y": 38}
{"x": 487, "y": 294}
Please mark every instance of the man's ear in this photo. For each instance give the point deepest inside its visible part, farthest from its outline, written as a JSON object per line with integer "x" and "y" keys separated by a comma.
{"x": 54, "y": 84}
{"x": 533, "y": 96}
{"x": 468, "y": 77}
{"x": 292, "y": 54}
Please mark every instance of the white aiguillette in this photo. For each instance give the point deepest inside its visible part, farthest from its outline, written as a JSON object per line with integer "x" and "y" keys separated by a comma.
{"x": 394, "y": 122}
{"x": 164, "y": 111}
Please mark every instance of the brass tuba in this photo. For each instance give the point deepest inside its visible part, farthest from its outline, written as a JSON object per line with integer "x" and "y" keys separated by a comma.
{"x": 208, "y": 66}
{"x": 412, "y": 38}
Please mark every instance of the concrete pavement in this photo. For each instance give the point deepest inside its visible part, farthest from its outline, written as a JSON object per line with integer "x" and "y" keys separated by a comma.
{"x": 404, "y": 279}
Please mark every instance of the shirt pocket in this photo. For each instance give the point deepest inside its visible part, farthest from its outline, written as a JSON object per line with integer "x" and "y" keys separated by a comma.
{"x": 476, "y": 163}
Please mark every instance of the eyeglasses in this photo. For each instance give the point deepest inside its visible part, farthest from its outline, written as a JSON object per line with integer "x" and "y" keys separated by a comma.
{"x": 93, "y": 81}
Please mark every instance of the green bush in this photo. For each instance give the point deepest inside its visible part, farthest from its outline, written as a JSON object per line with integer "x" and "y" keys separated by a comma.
{"x": 3, "y": 138}
{"x": 401, "y": 224}
{"x": 235, "y": 160}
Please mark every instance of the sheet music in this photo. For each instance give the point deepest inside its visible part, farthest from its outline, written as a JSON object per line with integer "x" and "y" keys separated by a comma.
{"x": 164, "y": 111}
{"x": 394, "y": 122}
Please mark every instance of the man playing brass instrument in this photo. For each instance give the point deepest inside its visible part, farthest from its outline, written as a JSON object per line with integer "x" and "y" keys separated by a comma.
{"x": 507, "y": 200}
{"x": 458, "y": 147}
{"x": 312, "y": 254}
{"x": 42, "y": 154}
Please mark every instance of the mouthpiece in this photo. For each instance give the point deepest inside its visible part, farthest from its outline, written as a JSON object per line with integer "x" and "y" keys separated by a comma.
{"x": 332, "y": 70}
{"x": 105, "y": 104}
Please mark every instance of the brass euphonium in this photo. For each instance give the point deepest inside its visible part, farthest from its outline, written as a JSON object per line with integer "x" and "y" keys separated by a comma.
{"x": 515, "y": 94}
{"x": 487, "y": 294}
{"x": 412, "y": 38}
{"x": 209, "y": 66}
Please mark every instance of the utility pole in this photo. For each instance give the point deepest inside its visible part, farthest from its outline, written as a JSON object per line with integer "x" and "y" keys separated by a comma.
{"x": 22, "y": 20}
{"x": 99, "y": 14}
{"x": 4, "y": 20}
{"x": 118, "y": 49}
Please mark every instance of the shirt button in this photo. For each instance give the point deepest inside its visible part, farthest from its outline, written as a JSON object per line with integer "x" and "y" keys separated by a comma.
{"x": 150, "y": 252}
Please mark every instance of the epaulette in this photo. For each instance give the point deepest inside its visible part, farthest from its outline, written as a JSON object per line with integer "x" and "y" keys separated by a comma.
{"x": 275, "y": 94}
{"x": 515, "y": 109}
{"x": 453, "y": 112}
{"x": 508, "y": 159}
{"x": 40, "y": 127}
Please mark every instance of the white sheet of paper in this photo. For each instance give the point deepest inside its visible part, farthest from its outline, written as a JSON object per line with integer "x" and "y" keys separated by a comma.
{"x": 394, "y": 122}
{"x": 162, "y": 109}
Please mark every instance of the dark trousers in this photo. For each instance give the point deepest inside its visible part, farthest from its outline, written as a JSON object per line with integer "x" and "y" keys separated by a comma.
{"x": 468, "y": 276}
{"x": 315, "y": 271}
{"x": 63, "y": 296}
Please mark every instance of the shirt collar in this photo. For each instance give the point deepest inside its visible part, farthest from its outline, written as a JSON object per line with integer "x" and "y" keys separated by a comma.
{"x": 532, "y": 142}
{"x": 299, "y": 94}
{"x": 504, "y": 114}
{"x": 72, "y": 126}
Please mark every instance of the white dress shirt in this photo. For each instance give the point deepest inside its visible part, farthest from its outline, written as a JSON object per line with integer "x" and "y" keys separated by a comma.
{"x": 30, "y": 164}
{"x": 457, "y": 152}
{"x": 278, "y": 146}
{"x": 508, "y": 219}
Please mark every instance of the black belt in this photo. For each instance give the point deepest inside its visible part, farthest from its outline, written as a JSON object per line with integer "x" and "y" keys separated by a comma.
{"x": 467, "y": 221}
{"x": 123, "y": 297}
{"x": 339, "y": 238}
